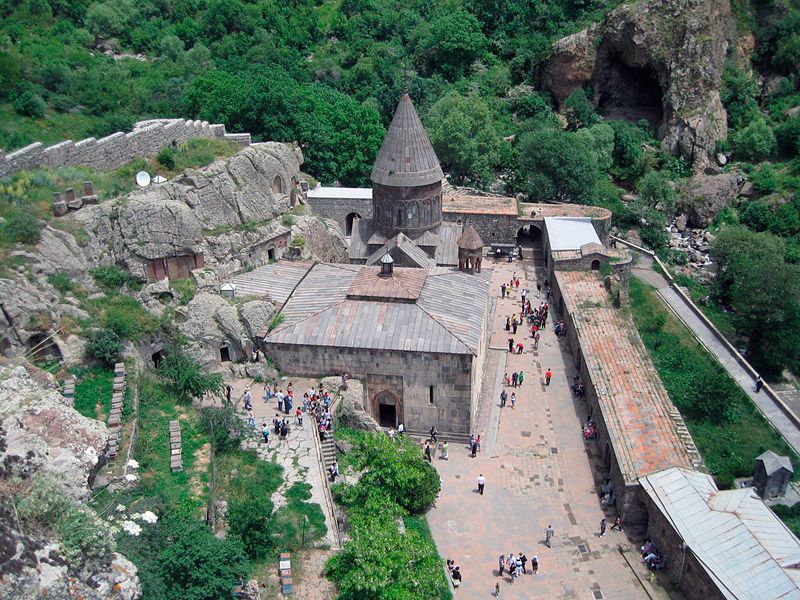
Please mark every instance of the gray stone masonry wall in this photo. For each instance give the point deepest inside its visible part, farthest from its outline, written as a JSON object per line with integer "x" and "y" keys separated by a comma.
{"x": 500, "y": 229}
{"x": 687, "y": 572}
{"x": 337, "y": 209}
{"x": 449, "y": 374}
{"x": 146, "y": 140}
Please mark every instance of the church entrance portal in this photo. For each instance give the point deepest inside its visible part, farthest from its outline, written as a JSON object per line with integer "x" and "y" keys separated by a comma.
{"x": 387, "y": 408}
{"x": 529, "y": 236}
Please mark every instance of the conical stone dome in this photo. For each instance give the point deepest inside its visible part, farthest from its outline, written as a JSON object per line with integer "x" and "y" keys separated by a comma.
{"x": 406, "y": 158}
{"x": 406, "y": 177}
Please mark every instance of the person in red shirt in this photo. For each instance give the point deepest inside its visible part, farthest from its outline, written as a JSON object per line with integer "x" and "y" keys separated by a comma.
{"x": 547, "y": 376}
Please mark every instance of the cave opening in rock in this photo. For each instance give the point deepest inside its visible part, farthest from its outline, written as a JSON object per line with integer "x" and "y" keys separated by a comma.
{"x": 42, "y": 348}
{"x": 629, "y": 93}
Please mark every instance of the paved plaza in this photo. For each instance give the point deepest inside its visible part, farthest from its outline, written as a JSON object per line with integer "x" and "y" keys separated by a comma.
{"x": 538, "y": 473}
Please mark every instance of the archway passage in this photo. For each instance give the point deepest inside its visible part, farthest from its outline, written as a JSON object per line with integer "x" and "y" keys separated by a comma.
{"x": 387, "y": 409}
{"x": 529, "y": 236}
{"x": 277, "y": 185}
{"x": 629, "y": 93}
{"x": 348, "y": 223}
{"x": 157, "y": 357}
{"x": 595, "y": 265}
{"x": 42, "y": 348}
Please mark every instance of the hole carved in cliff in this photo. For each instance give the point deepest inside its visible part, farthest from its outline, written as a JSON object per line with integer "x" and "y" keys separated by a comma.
{"x": 628, "y": 92}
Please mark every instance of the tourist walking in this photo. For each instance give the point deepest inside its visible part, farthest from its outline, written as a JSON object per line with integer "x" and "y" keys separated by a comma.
{"x": 265, "y": 432}
{"x": 503, "y": 290}
{"x": 428, "y": 451}
{"x": 445, "y": 449}
{"x": 513, "y": 400}
{"x": 520, "y": 378}
{"x": 481, "y": 482}
{"x": 474, "y": 447}
{"x": 228, "y": 390}
{"x": 514, "y": 379}
{"x": 759, "y": 383}
{"x": 503, "y": 398}
{"x": 602, "y": 527}
{"x": 548, "y": 376}
{"x": 617, "y": 523}
{"x": 534, "y": 564}
{"x": 251, "y": 419}
{"x": 511, "y": 344}
{"x": 433, "y": 433}
{"x": 501, "y": 564}
{"x": 548, "y": 535}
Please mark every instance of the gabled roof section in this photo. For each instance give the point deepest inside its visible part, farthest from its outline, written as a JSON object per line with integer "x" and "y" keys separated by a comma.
{"x": 742, "y": 545}
{"x": 403, "y": 286}
{"x": 402, "y": 244}
{"x": 774, "y": 462}
{"x": 470, "y": 240}
{"x": 406, "y": 158}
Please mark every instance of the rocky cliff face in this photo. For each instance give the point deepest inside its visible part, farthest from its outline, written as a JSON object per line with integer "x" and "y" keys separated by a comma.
{"x": 42, "y": 435}
{"x": 220, "y": 212}
{"x": 660, "y": 60}
{"x": 40, "y": 431}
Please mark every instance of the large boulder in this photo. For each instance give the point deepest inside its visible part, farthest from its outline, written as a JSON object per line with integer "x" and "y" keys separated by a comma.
{"x": 702, "y": 197}
{"x": 210, "y": 322}
{"x": 40, "y": 431}
{"x": 658, "y": 59}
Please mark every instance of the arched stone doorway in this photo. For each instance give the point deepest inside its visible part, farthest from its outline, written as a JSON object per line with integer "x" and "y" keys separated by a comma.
{"x": 43, "y": 348}
{"x": 277, "y": 185}
{"x": 388, "y": 409}
{"x": 529, "y": 236}
{"x": 595, "y": 265}
{"x": 348, "y": 223}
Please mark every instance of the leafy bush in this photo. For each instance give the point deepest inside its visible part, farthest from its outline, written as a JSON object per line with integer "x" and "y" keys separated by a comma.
{"x": 105, "y": 346}
{"x": 765, "y": 179}
{"x": 756, "y": 142}
{"x": 787, "y": 135}
{"x": 579, "y": 110}
{"x": 20, "y": 227}
{"x": 30, "y": 104}
{"x": 166, "y": 158}
{"x": 187, "y": 378}
{"x": 287, "y": 220}
{"x": 61, "y": 281}
{"x": 125, "y": 315}
{"x": 112, "y": 277}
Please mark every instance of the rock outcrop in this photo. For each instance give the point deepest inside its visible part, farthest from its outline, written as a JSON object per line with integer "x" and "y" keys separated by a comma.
{"x": 220, "y": 213}
{"x": 702, "y": 197}
{"x": 661, "y": 60}
{"x": 40, "y": 431}
{"x": 32, "y": 568}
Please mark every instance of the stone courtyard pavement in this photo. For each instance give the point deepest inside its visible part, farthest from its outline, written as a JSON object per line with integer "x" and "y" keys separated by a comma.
{"x": 538, "y": 472}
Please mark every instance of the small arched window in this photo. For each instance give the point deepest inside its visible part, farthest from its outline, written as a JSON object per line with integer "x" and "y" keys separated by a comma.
{"x": 595, "y": 265}
{"x": 412, "y": 214}
{"x": 277, "y": 185}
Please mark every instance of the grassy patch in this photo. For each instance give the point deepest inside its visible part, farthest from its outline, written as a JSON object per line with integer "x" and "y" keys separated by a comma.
{"x": 185, "y": 289}
{"x": 728, "y": 445}
{"x": 700, "y": 294}
{"x": 124, "y": 314}
{"x": 178, "y": 491}
{"x": 93, "y": 391}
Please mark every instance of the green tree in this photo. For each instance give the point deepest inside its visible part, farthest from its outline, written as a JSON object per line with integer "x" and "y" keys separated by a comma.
{"x": 104, "y": 345}
{"x": 739, "y": 96}
{"x": 579, "y": 110}
{"x": 186, "y": 378}
{"x": 462, "y": 132}
{"x": 600, "y": 138}
{"x": 450, "y": 43}
{"x": 656, "y": 192}
{"x": 762, "y": 289}
{"x": 30, "y": 104}
{"x": 110, "y": 19}
{"x": 557, "y": 165}
{"x": 756, "y": 142}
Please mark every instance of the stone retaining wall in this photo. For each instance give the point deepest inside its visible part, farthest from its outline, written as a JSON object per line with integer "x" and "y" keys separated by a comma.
{"x": 146, "y": 140}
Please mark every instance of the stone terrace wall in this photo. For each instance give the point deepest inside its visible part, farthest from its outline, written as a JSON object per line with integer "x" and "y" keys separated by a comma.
{"x": 337, "y": 209}
{"x": 146, "y": 140}
{"x": 500, "y": 229}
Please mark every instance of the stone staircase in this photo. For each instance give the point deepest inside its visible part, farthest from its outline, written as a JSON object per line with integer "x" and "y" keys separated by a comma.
{"x": 452, "y": 438}
{"x": 328, "y": 451}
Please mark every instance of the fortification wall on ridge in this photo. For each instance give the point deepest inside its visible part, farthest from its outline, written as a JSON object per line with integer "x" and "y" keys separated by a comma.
{"x": 146, "y": 140}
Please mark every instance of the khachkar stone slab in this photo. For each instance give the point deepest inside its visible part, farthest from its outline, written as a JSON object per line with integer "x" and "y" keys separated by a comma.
{"x": 73, "y": 202}
{"x": 88, "y": 196}
{"x": 59, "y": 206}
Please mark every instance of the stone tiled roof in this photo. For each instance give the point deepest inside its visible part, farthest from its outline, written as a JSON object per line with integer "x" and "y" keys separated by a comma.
{"x": 406, "y": 158}
{"x": 405, "y": 284}
{"x": 479, "y": 205}
{"x": 448, "y": 316}
{"x": 447, "y": 249}
{"x": 274, "y": 282}
{"x": 644, "y": 426}
{"x": 402, "y": 243}
{"x": 470, "y": 240}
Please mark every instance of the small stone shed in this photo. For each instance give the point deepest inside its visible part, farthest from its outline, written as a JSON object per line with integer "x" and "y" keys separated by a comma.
{"x": 772, "y": 474}
{"x": 470, "y": 250}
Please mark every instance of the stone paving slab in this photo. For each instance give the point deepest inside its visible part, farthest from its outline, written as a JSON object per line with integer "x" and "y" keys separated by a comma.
{"x": 538, "y": 471}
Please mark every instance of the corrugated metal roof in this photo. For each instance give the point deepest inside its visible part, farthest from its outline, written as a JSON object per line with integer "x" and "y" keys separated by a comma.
{"x": 570, "y": 233}
{"x": 341, "y": 192}
{"x": 739, "y": 541}
{"x": 406, "y": 158}
{"x": 447, "y": 318}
